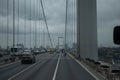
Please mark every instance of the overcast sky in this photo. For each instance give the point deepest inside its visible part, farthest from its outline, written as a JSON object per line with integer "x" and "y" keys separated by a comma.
{"x": 108, "y": 16}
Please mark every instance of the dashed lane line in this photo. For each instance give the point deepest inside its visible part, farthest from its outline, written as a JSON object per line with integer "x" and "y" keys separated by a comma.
{"x": 24, "y": 70}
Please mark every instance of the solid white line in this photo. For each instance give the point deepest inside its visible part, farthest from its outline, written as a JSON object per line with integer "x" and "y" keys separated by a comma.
{"x": 54, "y": 76}
{"x": 83, "y": 67}
{"x": 9, "y": 64}
{"x": 24, "y": 70}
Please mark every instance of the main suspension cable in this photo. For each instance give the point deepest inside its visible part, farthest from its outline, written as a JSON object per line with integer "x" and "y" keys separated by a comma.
{"x": 46, "y": 23}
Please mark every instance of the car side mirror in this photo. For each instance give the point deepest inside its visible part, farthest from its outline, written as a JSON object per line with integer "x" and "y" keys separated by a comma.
{"x": 116, "y": 35}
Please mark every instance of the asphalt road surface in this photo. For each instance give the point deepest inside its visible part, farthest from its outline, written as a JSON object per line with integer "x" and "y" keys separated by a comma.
{"x": 48, "y": 67}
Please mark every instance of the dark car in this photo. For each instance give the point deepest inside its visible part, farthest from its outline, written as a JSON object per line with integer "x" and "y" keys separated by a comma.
{"x": 1, "y": 55}
{"x": 28, "y": 57}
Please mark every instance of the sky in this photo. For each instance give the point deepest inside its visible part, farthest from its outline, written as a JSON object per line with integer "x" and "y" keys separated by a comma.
{"x": 108, "y": 16}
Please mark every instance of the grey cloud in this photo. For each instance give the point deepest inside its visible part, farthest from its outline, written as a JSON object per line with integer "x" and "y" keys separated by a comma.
{"x": 108, "y": 10}
{"x": 34, "y": 8}
{"x": 108, "y": 15}
{"x": 55, "y": 14}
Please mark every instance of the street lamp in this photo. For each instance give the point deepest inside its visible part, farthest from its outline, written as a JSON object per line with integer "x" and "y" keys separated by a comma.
{"x": 58, "y": 41}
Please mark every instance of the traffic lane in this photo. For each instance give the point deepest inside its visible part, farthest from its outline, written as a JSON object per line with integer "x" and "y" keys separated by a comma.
{"x": 46, "y": 71}
{"x": 7, "y": 72}
{"x": 38, "y": 57}
{"x": 70, "y": 70}
{"x": 10, "y": 70}
{"x": 41, "y": 56}
{"x": 12, "y": 66}
{"x": 43, "y": 70}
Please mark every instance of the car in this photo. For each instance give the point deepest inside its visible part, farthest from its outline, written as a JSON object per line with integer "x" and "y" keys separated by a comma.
{"x": 12, "y": 57}
{"x": 36, "y": 52}
{"x": 1, "y": 55}
{"x": 57, "y": 51}
{"x": 43, "y": 51}
{"x": 51, "y": 51}
{"x": 28, "y": 57}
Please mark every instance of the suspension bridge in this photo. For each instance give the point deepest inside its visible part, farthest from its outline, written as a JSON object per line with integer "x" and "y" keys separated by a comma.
{"x": 32, "y": 31}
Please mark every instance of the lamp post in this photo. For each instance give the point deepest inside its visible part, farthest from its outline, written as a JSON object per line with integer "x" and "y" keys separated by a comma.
{"x": 58, "y": 41}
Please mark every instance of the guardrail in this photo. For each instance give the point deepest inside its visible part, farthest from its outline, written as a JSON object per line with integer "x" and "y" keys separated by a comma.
{"x": 102, "y": 68}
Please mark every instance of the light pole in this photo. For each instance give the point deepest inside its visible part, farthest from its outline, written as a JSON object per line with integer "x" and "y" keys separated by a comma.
{"x": 58, "y": 41}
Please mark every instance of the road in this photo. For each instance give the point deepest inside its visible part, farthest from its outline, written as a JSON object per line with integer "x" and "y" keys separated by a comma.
{"x": 48, "y": 67}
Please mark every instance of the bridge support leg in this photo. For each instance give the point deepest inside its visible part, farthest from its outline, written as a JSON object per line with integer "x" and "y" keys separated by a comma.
{"x": 87, "y": 29}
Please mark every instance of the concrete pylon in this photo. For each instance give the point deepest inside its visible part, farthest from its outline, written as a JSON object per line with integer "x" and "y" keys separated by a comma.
{"x": 87, "y": 29}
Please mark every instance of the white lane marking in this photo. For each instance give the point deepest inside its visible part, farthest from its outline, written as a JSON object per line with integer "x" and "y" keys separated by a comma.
{"x": 83, "y": 67}
{"x": 24, "y": 70}
{"x": 9, "y": 64}
{"x": 54, "y": 76}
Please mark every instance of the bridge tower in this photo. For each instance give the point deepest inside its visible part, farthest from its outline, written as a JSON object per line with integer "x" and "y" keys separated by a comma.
{"x": 87, "y": 29}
